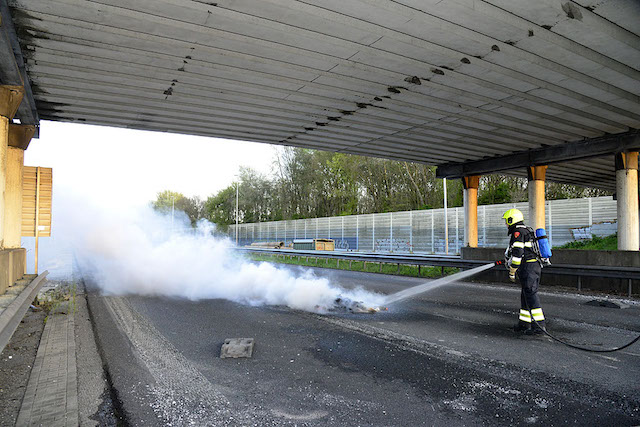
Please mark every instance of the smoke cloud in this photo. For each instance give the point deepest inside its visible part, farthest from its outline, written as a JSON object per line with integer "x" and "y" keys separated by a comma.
{"x": 135, "y": 251}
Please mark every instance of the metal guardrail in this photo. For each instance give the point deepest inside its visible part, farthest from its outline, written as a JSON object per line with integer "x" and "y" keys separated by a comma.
{"x": 430, "y": 260}
{"x": 630, "y": 273}
{"x": 11, "y": 317}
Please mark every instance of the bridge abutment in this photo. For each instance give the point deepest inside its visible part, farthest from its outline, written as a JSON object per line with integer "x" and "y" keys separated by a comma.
{"x": 470, "y": 186}
{"x": 11, "y": 165}
{"x": 627, "y": 201}
{"x": 536, "y": 175}
{"x": 13, "y": 198}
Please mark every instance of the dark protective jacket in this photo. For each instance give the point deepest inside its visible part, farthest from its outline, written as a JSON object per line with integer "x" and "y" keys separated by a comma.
{"x": 520, "y": 248}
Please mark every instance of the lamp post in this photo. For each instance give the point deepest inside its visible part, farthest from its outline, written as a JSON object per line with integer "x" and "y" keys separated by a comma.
{"x": 446, "y": 219}
{"x": 237, "y": 193}
{"x": 173, "y": 206}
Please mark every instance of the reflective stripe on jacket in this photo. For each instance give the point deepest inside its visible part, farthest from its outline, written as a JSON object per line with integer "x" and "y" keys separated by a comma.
{"x": 520, "y": 245}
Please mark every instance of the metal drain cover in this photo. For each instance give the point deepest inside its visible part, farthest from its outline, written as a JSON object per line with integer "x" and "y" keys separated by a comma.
{"x": 236, "y": 348}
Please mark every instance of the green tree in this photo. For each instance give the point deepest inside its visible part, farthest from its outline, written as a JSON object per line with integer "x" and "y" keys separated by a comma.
{"x": 255, "y": 196}
{"x": 165, "y": 200}
{"x": 501, "y": 189}
{"x": 309, "y": 183}
{"x": 344, "y": 184}
{"x": 220, "y": 208}
{"x": 556, "y": 190}
{"x": 193, "y": 207}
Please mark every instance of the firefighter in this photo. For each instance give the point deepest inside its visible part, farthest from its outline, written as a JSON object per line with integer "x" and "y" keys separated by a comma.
{"x": 522, "y": 259}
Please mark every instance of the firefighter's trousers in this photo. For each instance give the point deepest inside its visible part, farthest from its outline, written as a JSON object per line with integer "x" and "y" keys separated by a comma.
{"x": 529, "y": 275}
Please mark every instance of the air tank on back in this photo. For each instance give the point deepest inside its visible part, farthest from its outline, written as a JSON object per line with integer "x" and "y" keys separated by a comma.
{"x": 543, "y": 243}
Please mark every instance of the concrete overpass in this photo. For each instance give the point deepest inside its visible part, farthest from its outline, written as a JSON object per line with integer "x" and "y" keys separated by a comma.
{"x": 547, "y": 88}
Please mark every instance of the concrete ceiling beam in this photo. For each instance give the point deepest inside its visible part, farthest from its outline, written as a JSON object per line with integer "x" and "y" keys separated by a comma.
{"x": 525, "y": 95}
{"x": 595, "y": 147}
{"x": 425, "y": 81}
{"x": 516, "y": 136}
{"x": 9, "y": 70}
{"x": 488, "y": 9}
{"x": 20, "y": 135}
{"x": 583, "y": 117}
{"x": 456, "y": 28}
{"x": 169, "y": 119}
{"x": 525, "y": 117}
{"x": 12, "y": 69}
{"x": 112, "y": 103}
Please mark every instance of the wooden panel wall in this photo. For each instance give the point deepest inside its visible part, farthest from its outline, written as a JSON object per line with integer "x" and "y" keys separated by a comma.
{"x": 32, "y": 197}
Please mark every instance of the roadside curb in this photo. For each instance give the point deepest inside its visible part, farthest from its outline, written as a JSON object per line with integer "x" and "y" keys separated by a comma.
{"x": 118, "y": 411}
{"x": 13, "y": 314}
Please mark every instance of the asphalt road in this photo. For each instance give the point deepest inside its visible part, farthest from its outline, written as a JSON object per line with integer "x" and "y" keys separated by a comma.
{"x": 447, "y": 358}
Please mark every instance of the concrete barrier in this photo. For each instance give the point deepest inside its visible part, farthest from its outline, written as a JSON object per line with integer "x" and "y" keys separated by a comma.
{"x": 568, "y": 256}
{"x": 12, "y": 262}
{"x": 12, "y": 315}
{"x": 4, "y": 271}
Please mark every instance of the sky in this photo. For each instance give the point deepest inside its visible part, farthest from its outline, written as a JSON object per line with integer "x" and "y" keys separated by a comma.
{"x": 112, "y": 165}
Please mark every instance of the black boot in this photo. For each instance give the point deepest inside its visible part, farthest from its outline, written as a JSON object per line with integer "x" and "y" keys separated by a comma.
{"x": 522, "y": 327}
{"x": 537, "y": 328}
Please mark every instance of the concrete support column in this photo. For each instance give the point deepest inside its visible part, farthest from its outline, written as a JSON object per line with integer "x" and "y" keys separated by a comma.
{"x": 13, "y": 198}
{"x": 10, "y": 98}
{"x": 4, "y": 144}
{"x": 627, "y": 195}
{"x": 19, "y": 138}
{"x": 536, "y": 176}
{"x": 470, "y": 194}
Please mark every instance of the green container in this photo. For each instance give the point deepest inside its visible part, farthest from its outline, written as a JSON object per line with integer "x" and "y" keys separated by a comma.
{"x": 304, "y": 244}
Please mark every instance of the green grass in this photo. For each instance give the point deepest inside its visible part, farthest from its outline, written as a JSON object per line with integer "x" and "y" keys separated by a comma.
{"x": 371, "y": 267}
{"x": 608, "y": 243}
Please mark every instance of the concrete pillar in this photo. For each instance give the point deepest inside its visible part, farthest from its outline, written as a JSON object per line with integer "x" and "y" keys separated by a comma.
{"x": 536, "y": 176}
{"x": 470, "y": 200}
{"x": 19, "y": 138}
{"x": 4, "y": 144}
{"x": 13, "y": 198}
{"x": 627, "y": 195}
{"x": 10, "y": 98}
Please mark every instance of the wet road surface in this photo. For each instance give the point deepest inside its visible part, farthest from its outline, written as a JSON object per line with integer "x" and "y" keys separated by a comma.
{"x": 448, "y": 357}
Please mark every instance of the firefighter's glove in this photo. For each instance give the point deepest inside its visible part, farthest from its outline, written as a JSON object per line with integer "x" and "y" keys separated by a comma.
{"x": 512, "y": 274}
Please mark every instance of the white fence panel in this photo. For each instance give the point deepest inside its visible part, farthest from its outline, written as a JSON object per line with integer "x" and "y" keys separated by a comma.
{"x": 383, "y": 232}
{"x": 423, "y": 231}
{"x": 366, "y": 232}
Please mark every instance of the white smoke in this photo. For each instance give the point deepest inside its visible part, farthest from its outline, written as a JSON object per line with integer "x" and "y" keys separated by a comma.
{"x": 135, "y": 251}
